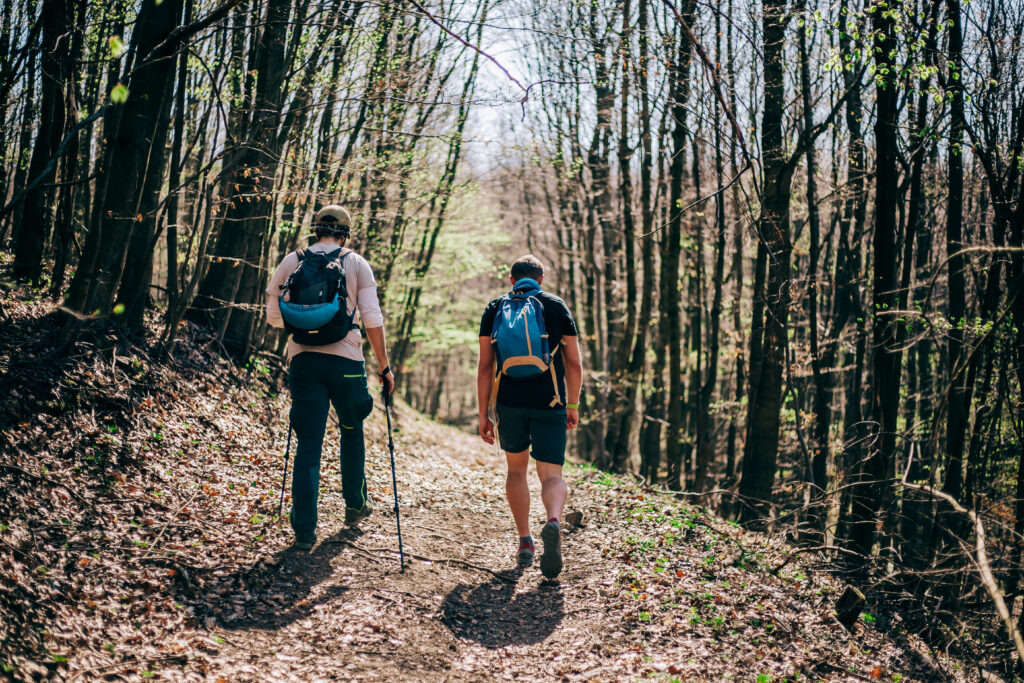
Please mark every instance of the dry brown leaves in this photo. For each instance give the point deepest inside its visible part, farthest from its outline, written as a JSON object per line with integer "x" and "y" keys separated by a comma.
{"x": 138, "y": 539}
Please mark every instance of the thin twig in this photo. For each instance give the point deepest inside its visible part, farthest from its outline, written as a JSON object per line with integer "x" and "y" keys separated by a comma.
{"x": 422, "y": 558}
{"x": 352, "y": 545}
{"x": 461, "y": 563}
{"x": 182, "y": 658}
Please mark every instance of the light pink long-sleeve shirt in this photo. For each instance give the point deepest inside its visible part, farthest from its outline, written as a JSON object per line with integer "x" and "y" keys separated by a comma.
{"x": 362, "y": 297}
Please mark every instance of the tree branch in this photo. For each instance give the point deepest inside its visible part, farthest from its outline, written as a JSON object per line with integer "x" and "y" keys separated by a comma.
{"x": 52, "y": 163}
{"x": 182, "y": 33}
{"x": 437, "y": 22}
{"x": 981, "y": 563}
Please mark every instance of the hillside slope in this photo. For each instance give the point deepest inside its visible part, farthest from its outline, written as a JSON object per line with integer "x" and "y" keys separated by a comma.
{"x": 138, "y": 538}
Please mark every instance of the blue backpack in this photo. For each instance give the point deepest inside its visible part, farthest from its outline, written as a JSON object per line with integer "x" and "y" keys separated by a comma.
{"x": 520, "y": 337}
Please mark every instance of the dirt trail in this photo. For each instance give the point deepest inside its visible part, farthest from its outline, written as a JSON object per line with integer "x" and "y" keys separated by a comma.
{"x": 652, "y": 588}
{"x": 346, "y": 611}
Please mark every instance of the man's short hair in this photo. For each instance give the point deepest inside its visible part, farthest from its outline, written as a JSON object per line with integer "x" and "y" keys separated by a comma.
{"x": 527, "y": 266}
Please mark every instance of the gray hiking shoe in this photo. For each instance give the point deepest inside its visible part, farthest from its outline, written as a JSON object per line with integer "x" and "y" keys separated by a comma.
{"x": 353, "y": 516}
{"x": 525, "y": 554}
{"x": 551, "y": 560}
{"x": 305, "y": 542}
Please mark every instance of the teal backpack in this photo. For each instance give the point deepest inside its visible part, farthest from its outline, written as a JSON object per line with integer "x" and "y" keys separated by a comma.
{"x": 520, "y": 337}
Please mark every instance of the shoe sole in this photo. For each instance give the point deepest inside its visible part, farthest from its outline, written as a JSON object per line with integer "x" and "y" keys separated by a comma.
{"x": 551, "y": 560}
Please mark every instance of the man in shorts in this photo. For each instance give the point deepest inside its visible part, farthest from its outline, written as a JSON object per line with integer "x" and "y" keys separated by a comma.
{"x": 533, "y": 415}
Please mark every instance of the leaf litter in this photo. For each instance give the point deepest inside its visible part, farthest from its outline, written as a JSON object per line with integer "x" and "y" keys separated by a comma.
{"x": 139, "y": 539}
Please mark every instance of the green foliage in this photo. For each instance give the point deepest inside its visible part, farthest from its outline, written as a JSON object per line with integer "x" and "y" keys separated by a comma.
{"x": 468, "y": 248}
{"x": 119, "y": 94}
{"x": 116, "y": 46}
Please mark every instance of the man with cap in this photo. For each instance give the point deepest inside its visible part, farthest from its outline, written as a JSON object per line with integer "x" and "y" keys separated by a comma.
{"x": 335, "y": 374}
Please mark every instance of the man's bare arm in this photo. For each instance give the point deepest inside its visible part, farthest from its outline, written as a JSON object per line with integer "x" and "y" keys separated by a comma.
{"x": 484, "y": 381}
{"x": 573, "y": 378}
{"x": 380, "y": 350}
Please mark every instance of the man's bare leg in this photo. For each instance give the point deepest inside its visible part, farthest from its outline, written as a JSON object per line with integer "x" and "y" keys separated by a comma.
{"x": 552, "y": 489}
{"x": 517, "y": 490}
{"x": 553, "y": 493}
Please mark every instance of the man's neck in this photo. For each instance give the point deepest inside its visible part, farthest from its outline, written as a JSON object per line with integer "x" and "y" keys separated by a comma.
{"x": 330, "y": 242}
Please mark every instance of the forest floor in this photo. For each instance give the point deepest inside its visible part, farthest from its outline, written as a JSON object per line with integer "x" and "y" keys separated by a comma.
{"x": 139, "y": 539}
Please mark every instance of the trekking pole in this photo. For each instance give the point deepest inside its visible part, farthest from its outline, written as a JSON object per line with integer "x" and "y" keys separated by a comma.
{"x": 394, "y": 480}
{"x": 284, "y": 478}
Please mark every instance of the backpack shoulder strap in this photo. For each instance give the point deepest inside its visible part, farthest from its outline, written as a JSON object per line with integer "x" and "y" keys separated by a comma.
{"x": 538, "y": 308}
{"x": 299, "y": 254}
{"x": 502, "y": 300}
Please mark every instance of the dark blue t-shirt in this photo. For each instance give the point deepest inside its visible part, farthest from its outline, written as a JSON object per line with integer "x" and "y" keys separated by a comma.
{"x": 536, "y": 392}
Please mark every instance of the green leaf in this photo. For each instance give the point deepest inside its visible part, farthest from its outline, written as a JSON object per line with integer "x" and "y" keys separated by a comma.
{"x": 119, "y": 308}
{"x": 116, "y": 46}
{"x": 119, "y": 95}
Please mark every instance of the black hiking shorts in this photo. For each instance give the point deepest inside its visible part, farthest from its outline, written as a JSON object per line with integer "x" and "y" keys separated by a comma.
{"x": 541, "y": 430}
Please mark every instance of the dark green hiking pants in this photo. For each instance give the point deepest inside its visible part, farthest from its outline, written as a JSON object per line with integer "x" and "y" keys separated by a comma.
{"x": 319, "y": 380}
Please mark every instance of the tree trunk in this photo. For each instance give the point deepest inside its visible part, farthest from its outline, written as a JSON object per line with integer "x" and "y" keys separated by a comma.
{"x": 22, "y": 155}
{"x": 705, "y": 423}
{"x": 133, "y": 158}
{"x": 957, "y": 422}
{"x": 64, "y": 230}
{"x": 174, "y": 198}
{"x": 822, "y": 382}
{"x": 773, "y": 226}
{"x": 638, "y": 355}
{"x": 625, "y": 375}
{"x": 33, "y": 230}
{"x": 670, "y": 253}
{"x": 846, "y": 303}
{"x": 232, "y": 289}
{"x": 650, "y": 454}
{"x": 878, "y": 467}
{"x": 739, "y": 382}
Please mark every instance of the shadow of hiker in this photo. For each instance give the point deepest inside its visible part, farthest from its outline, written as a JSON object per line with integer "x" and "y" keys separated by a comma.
{"x": 272, "y": 595}
{"x": 495, "y": 615}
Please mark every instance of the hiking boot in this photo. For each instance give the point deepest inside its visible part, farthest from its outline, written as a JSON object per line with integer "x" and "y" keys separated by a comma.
{"x": 551, "y": 560}
{"x": 304, "y": 542}
{"x": 353, "y": 516}
{"x": 525, "y": 554}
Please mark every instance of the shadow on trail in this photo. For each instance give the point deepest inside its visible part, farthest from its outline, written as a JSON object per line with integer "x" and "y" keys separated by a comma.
{"x": 271, "y": 596}
{"x": 495, "y": 615}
